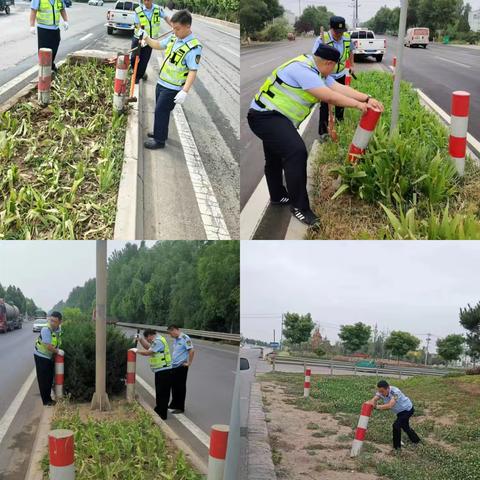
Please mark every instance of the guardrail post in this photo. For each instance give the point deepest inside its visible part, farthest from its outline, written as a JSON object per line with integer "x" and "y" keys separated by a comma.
{"x": 457, "y": 143}
{"x": 44, "y": 75}
{"x": 217, "y": 452}
{"x": 273, "y": 363}
{"x": 61, "y": 452}
{"x": 361, "y": 430}
{"x": 355, "y": 370}
{"x": 59, "y": 374}
{"x": 331, "y": 368}
{"x": 131, "y": 370}
{"x": 120, "y": 86}
{"x": 363, "y": 133}
{"x": 306, "y": 383}
{"x": 400, "y": 373}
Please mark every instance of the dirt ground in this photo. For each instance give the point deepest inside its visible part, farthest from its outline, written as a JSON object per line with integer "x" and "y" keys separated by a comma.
{"x": 309, "y": 445}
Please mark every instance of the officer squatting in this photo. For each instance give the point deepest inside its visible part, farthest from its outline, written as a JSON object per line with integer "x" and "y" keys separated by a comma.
{"x": 285, "y": 99}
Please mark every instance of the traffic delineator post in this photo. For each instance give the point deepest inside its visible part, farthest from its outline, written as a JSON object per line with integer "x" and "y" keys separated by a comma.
{"x": 348, "y": 77}
{"x": 120, "y": 86}
{"x": 306, "y": 383}
{"x": 457, "y": 143}
{"x": 44, "y": 75}
{"x": 217, "y": 452}
{"x": 61, "y": 453}
{"x": 363, "y": 133}
{"x": 361, "y": 430}
{"x": 394, "y": 65}
{"x": 131, "y": 371}
{"x": 59, "y": 374}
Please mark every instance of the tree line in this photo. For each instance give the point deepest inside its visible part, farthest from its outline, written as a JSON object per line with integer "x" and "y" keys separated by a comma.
{"x": 223, "y": 9}
{"x": 195, "y": 284}
{"x": 262, "y": 20}
{"x": 14, "y": 296}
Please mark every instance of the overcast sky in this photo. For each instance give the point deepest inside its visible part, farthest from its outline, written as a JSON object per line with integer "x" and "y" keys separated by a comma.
{"x": 411, "y": 286}
{"x": 344, "y": 8}
{"x": 48, "y": 270}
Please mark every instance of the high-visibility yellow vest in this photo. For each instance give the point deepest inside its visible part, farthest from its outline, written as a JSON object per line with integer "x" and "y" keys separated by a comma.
{"x": 152, "y": 26}
{"x": 293, "y": 102}
{"x": 48, "y": 14}
{"x": 173, "y": 70}
{"x": 328, "y": 40}
{"x": 56, "y": 342}
{"x": 161, "y": 359}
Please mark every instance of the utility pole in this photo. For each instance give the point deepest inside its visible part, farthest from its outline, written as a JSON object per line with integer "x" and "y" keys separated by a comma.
{"x": 281, "y": 334}
{"x": 426, "y": 350}
{"x": 100, "y": 397}
{"x": 356, "y": 13}
{"x": 273, "y": 335}
{"x": 299, "y": 8}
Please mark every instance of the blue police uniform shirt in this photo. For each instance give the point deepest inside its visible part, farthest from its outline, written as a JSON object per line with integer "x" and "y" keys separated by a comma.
{"x": 301, "y": 75}
{"x": 46, "y": 335}
{"x": 338, "y": 46}
{"x": 149, "y": 13}
{"x": 181, "y": 346}
{"x": 157, "y": 346}
{"x": 402, "y": 404}
{"x": 189, "y": 60}
{"x": 36, "y": 4}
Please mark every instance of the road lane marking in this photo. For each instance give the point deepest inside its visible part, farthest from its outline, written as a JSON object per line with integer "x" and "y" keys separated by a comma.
{"x": 229, "y": 50}
{"x": 12, "y": 411}
{"x": 453, "y": 61}
{"x": 18, "y": 79}
{"x": 86, "y": 36}
{"x": 186, "y": 422}
{"x": 266, "y": 61}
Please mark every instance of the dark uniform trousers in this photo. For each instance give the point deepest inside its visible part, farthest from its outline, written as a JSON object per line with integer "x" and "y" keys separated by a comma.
{"x": 285, "y": 153}
{"x": 323, "y": 123}
{"x": 163, "y": 385}
{"x": 45, "y": 372}
{"x": 179, "y": 387}
{"x": 145, "y": 53}
{"x": 49, "y": 39}
{"x": 164, "y": 105}
{"x": 402, "y": 423}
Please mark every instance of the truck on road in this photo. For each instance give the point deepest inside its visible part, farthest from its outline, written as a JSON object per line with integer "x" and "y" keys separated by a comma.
{"x": 10, "y": 318}
{"x": 122, "y": 17}
{"x": 365, "y": 44}
{"x": 417, "y": 37}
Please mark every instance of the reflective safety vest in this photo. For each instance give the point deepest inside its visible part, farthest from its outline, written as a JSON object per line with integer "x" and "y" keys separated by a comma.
{"x": 48, "y": 14}
{"x": 161, "y": 359}
{"x": 152, "y": 26}
{"x": 293, "y": 102}
{"x": 56, "y": 342}
{"x": 328, "y": 40}
{"x": 173, "y": 70}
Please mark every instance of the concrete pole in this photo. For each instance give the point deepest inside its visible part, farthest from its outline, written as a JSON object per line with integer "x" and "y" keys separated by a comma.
{"x": 233, "y": 446}
{"x": 100, "y": 397}
{"x": 398, "y": 70}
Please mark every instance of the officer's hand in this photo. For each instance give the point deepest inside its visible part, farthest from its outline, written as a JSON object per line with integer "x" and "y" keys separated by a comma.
{"x": 134, "y": 350}
{"x": 180, "y": 97}
{"x": 143, "y": 34}
{"x": 143, "y": 43}
{"x": 60, "y": 352}
{"x": 362, "y": 106}
{"x": 33, "y": 30}
{"x": 186, "y": 364}
{"x": 375, "y": 104}
{"x": 136, "y": 336}
{"x": 65, "y": 26}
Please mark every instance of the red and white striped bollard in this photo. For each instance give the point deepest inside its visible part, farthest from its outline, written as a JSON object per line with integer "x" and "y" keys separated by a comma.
{"x": 457, "y": 143}
{"x": 61, "y": 450}
{"x": 361, "y": 430}
{"x": 306, "y": 383}
{"x": 217, "y": 452}
{"x": 348, "y": 77}
{"x": 120, "y": 86}
{"x": 363, "y": 133}
{"x": 59, "y": 374}
{"x": 131, "y": 370}
{"x": 44, "y": 75}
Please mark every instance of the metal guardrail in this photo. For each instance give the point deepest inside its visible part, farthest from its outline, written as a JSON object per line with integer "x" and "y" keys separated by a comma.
{"x": 228, "y": 337}
{"x": 337, "y": 365}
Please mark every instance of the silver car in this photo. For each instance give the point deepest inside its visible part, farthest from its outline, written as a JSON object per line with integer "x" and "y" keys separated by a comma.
{"x": 39, "y": 323}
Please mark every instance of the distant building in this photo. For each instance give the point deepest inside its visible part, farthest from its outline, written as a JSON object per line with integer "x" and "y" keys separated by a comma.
{"x": 290, "y": 17}
{"x": 474, "y": 20}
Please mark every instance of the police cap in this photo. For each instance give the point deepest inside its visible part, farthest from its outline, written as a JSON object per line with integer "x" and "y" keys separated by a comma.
{"x": 338, "y": 24}
{"x": 328, "y": 53}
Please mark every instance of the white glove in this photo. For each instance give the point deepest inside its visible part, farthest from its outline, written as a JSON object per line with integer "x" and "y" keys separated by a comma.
{"x": 61, "y": 353}
{"x": 143, "y": 43}
{"x": 134, "y": 350}
{"x": 65, "y": 26}
{"x": 143, "y": 34}
{"x": 180, "y": 97}
{"x": 33, "y": 30}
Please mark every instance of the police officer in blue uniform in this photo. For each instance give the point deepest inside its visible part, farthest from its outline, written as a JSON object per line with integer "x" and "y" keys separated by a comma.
{"x": 338, "y": 38}
{"x": 147, "y": 17}
{"x": 396, "y": 401}
{"x": 182, "y": 358}
{"x": 177, "y": 73}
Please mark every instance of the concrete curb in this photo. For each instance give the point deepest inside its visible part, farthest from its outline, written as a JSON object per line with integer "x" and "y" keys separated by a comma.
{"x": 40, "y": 446}
{"x": 197, "y": 462}
{"x": 217, "y": 20}
{"x": 128, "y": 219}
{"x": 259, "y": 452}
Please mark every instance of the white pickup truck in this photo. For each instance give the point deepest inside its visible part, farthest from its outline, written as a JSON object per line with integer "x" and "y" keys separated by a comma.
{"x": 364, "y": 44}
{"x": 122, "y": 17}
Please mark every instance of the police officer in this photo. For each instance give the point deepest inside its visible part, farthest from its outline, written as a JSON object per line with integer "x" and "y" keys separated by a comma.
{"x": 156, "y": 347}
{"x": 47, "y": 345}
{"x": 177, "y": 73}
{"x": 283, "y": 102}
{"x": 394, "y": 399}
{"x": 182, "y": 358}
{"x": 47, "y": 14}
{"x": 338, "y": 38}
{"x": 147, "y": 17}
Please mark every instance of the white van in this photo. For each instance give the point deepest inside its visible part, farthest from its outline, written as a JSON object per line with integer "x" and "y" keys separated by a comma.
{"x": 417, "y": 37}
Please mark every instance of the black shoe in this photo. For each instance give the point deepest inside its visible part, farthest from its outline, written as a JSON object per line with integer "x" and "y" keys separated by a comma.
{"x": 162, "y": 416}
{"x": 150, "y": 135}
{"x": 177, "y": 411}
{"x": 50, "y": 403}
{"x": 305, "y": 216}
{"x": 323, "y": 137}
{"x": 283, "y": 201}
{"x": 152, "y": 144}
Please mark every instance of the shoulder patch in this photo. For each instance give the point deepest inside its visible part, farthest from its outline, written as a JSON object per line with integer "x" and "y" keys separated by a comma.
{"x": 197, "y": 59}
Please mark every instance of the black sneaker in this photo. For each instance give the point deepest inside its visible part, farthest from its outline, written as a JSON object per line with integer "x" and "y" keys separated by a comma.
{"x": 305, "y": 216}
{"x": 282, "y": 201}
{"x": 152, "y": 144}
{"x": 174, "y": 412}
{"x": 50, "y": 403}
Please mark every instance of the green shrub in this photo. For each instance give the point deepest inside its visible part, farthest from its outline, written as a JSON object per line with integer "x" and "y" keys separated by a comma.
{"x": 473, "y": 371}
{"x": 78, "y": 341}
{"x": 274, "y": 32}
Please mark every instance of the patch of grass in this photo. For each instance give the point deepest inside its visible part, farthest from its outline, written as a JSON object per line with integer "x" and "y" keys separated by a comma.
{"x": 312, "y": 426}
{"x": 324, "y": 433}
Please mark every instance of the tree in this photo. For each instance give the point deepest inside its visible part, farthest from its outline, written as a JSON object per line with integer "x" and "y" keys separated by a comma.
{"x": 470, "y": 320}
{"x": 313, "y": 18}
{"x": 451, "y": 347}
{"x": 463, "y": 25}
{"x": 255, "y": 13}
{"x": 297, "y": 328}
{"x": 354, "y": 337}
{"x": 399, "y": 343}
